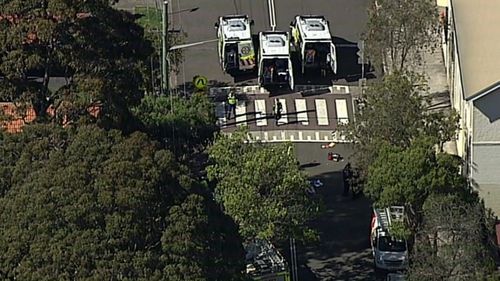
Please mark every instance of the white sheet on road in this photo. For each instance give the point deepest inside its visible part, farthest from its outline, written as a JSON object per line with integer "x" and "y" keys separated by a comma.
{"x": 241, "y": 113}
{"x": 284, "y": 117}
{"x": 301, "y": 109}
{"x": 321, "y": 112}
{"x": 341, "y": 108}
{"x": 260, "y": 112}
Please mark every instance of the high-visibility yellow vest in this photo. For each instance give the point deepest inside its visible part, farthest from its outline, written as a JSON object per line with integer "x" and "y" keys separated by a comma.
{"x": 231, "y": 100}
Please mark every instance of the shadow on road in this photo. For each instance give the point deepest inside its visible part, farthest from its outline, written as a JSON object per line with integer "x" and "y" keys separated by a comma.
{"x": 343, "y": 252}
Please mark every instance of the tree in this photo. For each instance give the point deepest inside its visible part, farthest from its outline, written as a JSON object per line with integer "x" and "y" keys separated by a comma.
{"x": 407, "y": 176}
{"x": 91, "y": 204}
{"x": 151, "y": 20}
{"x": 185, "y": 125}
{"x": 97, "y": 49}
{"x": 197, "y": 246}
{"x": 398, "y": 30}
{"x": 451, "y": 241}
{"x": 261, "y": 187}
{"x": 395, "y": 111}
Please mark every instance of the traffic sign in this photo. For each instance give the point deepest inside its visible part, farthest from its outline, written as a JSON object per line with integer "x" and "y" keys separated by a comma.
{"x": 200, "y": 82}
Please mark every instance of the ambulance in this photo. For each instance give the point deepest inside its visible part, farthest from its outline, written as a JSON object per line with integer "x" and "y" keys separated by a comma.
{"x": 275, "y": 65}
{"x": 311, "y": 38}
{"x": 235, "y": 45}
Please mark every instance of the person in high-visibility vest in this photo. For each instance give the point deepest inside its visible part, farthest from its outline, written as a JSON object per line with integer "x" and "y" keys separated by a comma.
{"x": 231, "y": 105}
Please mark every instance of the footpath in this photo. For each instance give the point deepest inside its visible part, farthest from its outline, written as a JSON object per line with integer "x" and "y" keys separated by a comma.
{"x": 433, "y": 68}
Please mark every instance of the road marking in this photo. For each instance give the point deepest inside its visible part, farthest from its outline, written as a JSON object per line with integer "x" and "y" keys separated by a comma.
{"x": 266, "y": 135}
{"x": 241, "y": 113}
{"x": 260, "y": 112}
{"x": 317, "y": 135}
{"x": 309, "y": 138}
{"x": 321, "y": 112}
{"x": 275, "y": 138}
{"x": 342, "y": 114}
{"x": 301, "y": 109}
{"x": 292, "y": 138}
{"x": 301, "y": 136}
{"x": 220, "y": 113}
{"x": 284, "y": 117}
{"x": 283, "y": 136}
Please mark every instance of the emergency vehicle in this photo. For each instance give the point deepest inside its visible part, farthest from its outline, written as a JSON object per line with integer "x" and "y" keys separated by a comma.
{"x": 389, "y": 253}
{"x": 313, "y": 41}
{"x": 235, "y": 45}
{"x": 275, "y": 65}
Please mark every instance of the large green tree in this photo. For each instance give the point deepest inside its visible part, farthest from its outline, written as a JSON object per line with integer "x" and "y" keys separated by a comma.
{"x": 88, "y": 204}
{"x": 451, "y": 241}
{"x": 185, "y": 125}
{"x": 261, "y": 187}
{"x": 197, "y": 246}
{"x": 98, "y": 50}
{"x": 398, "y": 30}
{"x": 407, "y": 176}
{"x": 395, "y": 111}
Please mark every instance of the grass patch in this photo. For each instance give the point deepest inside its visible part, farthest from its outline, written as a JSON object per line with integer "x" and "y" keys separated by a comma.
{"x": 151, "y": 17}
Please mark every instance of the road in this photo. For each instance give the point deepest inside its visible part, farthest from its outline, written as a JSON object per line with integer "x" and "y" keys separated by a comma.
{"x": 305, "y": 118}
{"x": 347, "y": 21}
{"x": 343, "y": 252}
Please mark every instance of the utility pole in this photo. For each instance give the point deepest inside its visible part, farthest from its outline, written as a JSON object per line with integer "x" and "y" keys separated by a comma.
{"x": 164, "y": 69}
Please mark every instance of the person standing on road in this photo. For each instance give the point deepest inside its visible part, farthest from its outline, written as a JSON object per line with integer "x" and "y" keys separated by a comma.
{"x": 277, "y": 109}
{"x": 346, "y": 176}
{"x": 231, "y": 105}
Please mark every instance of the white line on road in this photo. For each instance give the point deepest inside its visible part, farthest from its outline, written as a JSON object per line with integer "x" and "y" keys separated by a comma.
{"x": 321, "y": 112}
{"x": 284, "y": 117}
{"x": 260, "y": 112}
{"x": 220, "y": 113}
{"x": 241, "y": 113}
{"x": 301, "y": 109}
{"x": 341, "y": 108}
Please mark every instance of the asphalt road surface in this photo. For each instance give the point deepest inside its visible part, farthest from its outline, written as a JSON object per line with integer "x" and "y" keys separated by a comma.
{"x": 343, "y": 252}
{"x": 347, "y": 22}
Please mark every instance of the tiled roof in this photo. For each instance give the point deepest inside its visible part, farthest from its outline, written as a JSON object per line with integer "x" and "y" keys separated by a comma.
{"x": 14, "y": 119}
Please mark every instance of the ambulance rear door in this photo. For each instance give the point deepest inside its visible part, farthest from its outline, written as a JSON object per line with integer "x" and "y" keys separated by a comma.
{"x": 246, "y": 55}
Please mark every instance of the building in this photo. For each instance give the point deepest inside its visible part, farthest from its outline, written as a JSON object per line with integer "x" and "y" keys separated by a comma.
{"x": 471, "y": 47}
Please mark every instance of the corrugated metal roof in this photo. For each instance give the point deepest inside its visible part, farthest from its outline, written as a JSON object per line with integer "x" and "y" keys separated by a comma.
{"x": 477, "y": 27}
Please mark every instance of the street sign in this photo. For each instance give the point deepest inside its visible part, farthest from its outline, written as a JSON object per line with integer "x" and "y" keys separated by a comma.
{"x": 200, "y": 82}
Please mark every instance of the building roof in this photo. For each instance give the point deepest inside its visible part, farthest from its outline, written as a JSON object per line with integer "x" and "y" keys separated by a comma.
{"x": 314, "y": 28}
{"x": 14, "y": 119}
{"x": 477, "y": 28}
{"x": 235, "y": 27}
{"x": 274, "y": 43}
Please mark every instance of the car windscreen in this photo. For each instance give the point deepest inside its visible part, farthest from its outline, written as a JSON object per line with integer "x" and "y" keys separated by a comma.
{"x": 388, "y": 244}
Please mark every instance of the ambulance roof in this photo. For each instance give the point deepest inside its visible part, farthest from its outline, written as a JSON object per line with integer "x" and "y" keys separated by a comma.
{"x": 235, "y": 27}
{"x": 274, "y": 43}
{"x": 314, "y": 28}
